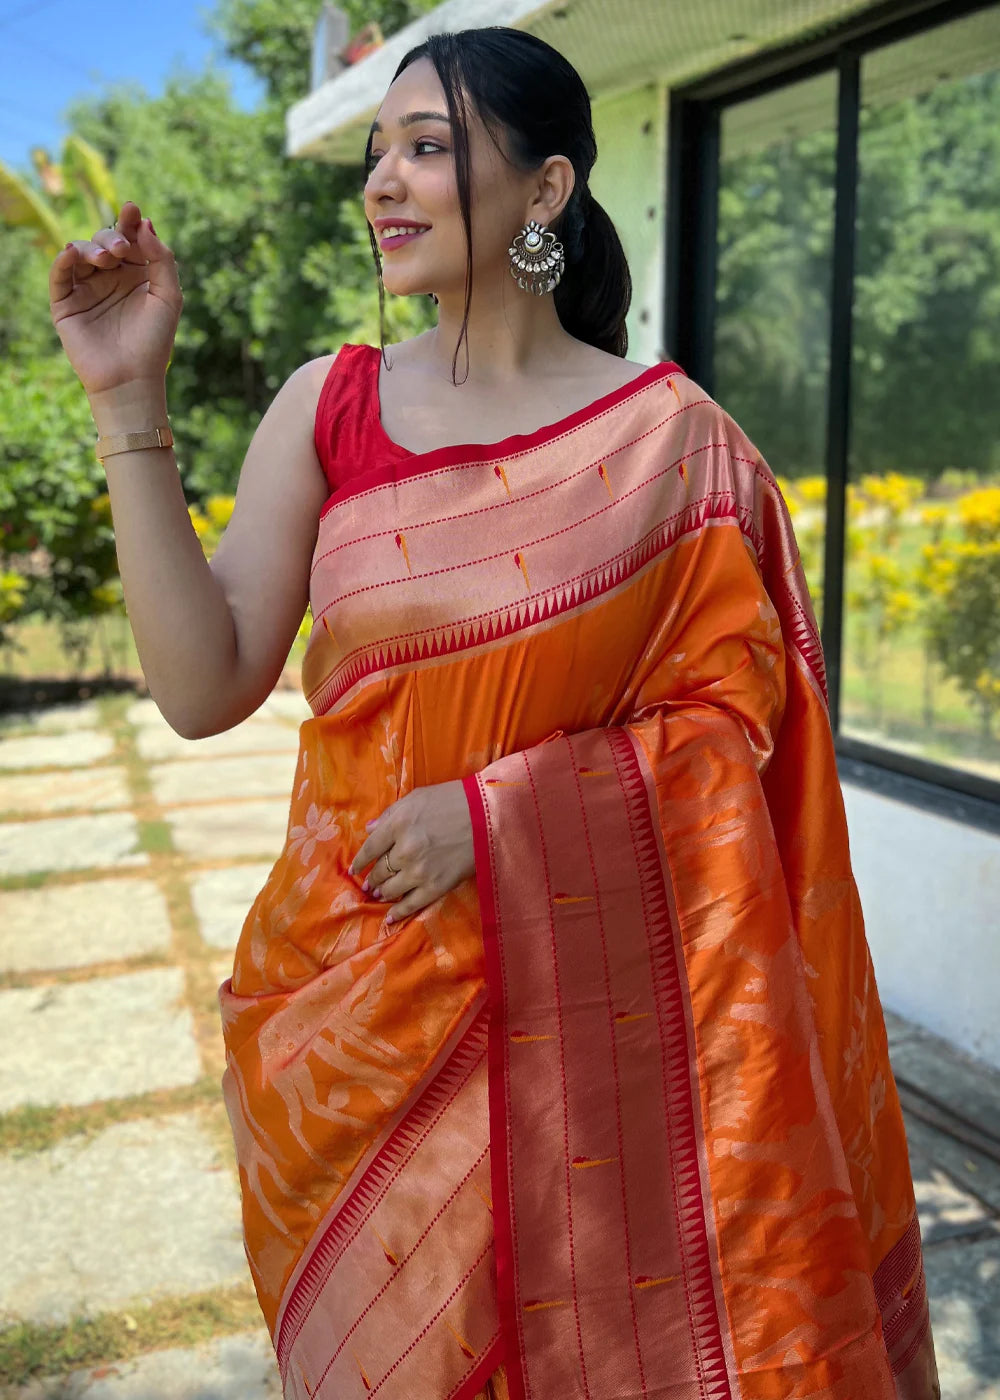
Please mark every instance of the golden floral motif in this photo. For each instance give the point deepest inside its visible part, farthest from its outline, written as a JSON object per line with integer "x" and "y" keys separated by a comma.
{"x": 318, "y": 826}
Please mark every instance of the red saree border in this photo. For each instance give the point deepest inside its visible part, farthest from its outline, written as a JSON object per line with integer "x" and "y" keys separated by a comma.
{"x": 503, "y": 1241}
{"x": 691, "y": 1211}
{"x": 375, "y": 1172}
{"x": 476, "y": 1380}
{"x": 699, "y": 1256}
{"x": 474, "y": 453}
{"x": 901, "y": 1295}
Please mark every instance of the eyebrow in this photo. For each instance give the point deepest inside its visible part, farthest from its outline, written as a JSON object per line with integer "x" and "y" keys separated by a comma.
{"x": 408, "y": 118}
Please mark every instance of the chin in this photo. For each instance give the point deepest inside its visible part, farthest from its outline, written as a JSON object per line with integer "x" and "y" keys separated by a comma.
{"x": 401, "y": 287}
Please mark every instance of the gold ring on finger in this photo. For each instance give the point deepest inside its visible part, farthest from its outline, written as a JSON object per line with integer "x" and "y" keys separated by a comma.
{"x": 389, "y": 866}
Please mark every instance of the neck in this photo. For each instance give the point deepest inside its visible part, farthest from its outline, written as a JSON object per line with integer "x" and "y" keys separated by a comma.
{"x": 511, "y": 335}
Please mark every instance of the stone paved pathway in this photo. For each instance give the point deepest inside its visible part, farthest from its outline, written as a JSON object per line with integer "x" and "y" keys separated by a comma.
{"x": 128, "y": 860}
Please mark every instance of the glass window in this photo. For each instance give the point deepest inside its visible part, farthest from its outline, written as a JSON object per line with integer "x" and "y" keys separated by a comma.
{"x": 921, "y": 666}
{"x": 772, "y": 325}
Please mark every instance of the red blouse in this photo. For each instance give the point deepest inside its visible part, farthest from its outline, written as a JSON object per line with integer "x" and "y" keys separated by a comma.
{"x": 349, "y": 436}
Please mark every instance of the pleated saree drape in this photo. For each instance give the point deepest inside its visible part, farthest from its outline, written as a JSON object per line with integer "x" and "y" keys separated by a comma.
{"x": 616, "y": 1117}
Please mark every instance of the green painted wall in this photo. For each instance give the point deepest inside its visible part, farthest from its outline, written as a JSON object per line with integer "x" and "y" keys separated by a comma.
{"x": 629, "y": 180}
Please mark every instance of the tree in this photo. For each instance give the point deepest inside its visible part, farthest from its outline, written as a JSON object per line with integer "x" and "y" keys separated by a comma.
{"x": 81, "y": 189}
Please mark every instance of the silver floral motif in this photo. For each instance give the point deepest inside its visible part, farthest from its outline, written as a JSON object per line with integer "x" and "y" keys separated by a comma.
{"x": 537, "y": 260}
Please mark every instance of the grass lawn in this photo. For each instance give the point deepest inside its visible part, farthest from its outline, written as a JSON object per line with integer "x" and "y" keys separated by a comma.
{"x": 109, "y": 650}
{"x": 38, "y": 651}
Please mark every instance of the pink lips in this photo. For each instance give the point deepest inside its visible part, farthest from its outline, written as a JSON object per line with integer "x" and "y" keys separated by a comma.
{"x": 387, "y": 244}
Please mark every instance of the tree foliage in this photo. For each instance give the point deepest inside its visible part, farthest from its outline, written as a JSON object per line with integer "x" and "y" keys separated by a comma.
{"x": 56, "y": 533}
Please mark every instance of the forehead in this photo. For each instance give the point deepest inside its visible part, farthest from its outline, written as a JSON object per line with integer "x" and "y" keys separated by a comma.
{"x": 416, "y": 95}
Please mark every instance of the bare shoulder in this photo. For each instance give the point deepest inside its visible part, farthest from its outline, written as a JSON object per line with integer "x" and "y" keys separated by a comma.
{"x": 606, "y": 372}
{"x": 311, "y": 376}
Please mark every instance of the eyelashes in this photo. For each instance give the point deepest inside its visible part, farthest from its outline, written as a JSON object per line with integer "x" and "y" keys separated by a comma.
{"x": 371, "y": 161}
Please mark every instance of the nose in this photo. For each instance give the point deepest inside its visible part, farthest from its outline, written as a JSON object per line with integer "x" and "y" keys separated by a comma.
{"x": 383, "y": 180}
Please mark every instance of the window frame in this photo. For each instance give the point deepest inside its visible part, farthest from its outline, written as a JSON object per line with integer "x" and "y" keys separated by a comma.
{"x": 692, "y": 180}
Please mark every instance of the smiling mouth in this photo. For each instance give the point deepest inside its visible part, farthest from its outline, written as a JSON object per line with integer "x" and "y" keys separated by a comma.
{"x": 395, "y": 236}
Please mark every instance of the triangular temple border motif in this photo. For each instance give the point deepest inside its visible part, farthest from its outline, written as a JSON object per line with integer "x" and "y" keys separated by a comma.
{"x": 462, "y": 635}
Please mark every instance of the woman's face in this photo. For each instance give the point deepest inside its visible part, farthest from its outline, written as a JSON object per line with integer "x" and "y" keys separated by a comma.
{"x": 413, "y": 178}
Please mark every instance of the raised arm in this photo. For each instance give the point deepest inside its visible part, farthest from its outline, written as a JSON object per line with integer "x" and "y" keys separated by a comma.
{"x": 212, "y": 637}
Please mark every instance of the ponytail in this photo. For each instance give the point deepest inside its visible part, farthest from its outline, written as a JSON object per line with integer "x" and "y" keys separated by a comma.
{"x": 595, "y": 290}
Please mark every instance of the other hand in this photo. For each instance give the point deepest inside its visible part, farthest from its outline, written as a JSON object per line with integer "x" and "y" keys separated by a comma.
{"x": 427, "y": 836}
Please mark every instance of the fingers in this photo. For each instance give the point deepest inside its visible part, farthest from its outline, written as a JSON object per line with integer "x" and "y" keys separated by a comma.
{"x": 161, "y": 265}
{"x": 388, "y": 884}
{"x": 129, "y": 219}
{"x": 110, "y": 246}
{"x": 61, "y": 274}
{"x": 80, "y": 260}
{"x": 412, "y": 904}
{"x": 375, "y": 844}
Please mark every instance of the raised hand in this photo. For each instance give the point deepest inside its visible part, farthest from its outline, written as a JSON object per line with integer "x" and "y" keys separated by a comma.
{"x": 115, "y": 302}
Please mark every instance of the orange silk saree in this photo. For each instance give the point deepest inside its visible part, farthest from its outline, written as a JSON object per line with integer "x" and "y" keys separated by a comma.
{"x": 616, "y": 1117}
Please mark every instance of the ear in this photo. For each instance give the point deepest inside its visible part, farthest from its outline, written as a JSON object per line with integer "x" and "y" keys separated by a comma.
{"x": 554, "y": 185}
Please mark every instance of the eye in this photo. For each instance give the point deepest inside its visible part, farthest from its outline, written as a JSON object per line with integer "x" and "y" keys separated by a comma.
{"x": 372, "y": 160}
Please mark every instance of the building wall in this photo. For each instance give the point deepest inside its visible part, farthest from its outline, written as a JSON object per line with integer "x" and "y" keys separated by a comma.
{"x": 930, "y": 891}
{"x": 629, "y": 181}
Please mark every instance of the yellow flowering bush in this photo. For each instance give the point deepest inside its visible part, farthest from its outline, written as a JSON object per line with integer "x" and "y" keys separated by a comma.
{"x": 13, "y": 590}
{"x": 979, "y": 513}
{"x": 211, "y": 520}
{"x": 812, "y": 490}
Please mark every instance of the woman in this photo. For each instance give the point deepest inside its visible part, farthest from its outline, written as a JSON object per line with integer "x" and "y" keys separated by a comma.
{"x": 556, "y": 1065}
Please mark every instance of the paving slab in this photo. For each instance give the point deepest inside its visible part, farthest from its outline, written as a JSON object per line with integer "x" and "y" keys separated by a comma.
{"x": 93, "y": 790}
{"x": 249, "y": 775}
{"x": 55, "y": 750}
{"x": 77, "y": 1042}
{"x": 145, "y": 712}
{"x": 70, "y": 843}
{"x": 945, "y": 1210}
{"x": 89, "y": 921}
{"x": 972, "y": 1170}
{"x": 54, "y": 719}
{"x": 214, "y": 830}
{"x": 145, "y": 1209}
{"x": 963, "y": 1281}
{"x": 240, "y": 1367}
{"x": 157, "y": 742}
{"x": 222, "y": 899}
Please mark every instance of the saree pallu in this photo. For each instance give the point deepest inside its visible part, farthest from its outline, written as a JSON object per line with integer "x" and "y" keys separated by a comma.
{"x": 616, "y": 1117}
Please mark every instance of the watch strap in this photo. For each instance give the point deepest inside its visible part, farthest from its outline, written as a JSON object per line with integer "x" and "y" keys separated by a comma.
{"x": 134, "y": 442}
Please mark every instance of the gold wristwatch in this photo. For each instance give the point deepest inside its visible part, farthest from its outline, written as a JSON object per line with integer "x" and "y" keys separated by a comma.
{"x": 132, "y": 442}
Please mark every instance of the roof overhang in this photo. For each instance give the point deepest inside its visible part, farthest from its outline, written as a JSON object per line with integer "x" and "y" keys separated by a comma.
{"x": 615, "y": 49}
{"x": 332, "y": 123}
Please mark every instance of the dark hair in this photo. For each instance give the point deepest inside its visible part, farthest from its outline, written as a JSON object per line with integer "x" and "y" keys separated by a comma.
{"x": 535, "y": 97}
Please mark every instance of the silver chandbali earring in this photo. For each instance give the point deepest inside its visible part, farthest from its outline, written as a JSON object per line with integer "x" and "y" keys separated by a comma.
{"x": 537, "y": 261}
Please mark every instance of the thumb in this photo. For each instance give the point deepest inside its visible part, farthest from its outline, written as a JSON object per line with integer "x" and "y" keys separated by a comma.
{"x": 161, "y": 266}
